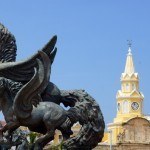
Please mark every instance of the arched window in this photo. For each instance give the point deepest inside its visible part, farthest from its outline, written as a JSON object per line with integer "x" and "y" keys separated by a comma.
{"x": 133, "y": 86}
{"x": 125, "y": 107}
{"x": 127, "y": 87}
{"x": 118, "y": 107}
{"x": 123, "y": 87}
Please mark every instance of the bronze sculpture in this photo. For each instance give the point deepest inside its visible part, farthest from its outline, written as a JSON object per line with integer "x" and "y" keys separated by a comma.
{"x": 28, "y": 98}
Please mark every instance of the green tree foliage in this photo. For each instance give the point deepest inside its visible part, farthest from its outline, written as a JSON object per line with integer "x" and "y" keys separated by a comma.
{"x": 32, "y": 137}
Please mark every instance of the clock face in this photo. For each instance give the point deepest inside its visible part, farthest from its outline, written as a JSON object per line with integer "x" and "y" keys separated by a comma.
{"x": 135, "y": 105}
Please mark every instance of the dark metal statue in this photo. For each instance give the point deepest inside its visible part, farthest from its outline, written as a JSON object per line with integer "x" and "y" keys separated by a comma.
{"x": 27, "y": 98}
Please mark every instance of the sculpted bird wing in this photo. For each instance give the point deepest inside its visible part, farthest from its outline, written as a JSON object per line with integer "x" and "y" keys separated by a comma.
{"x": 8, "y": 46}
{"x": 23, "y": 71}
{"x": 29, "y": 94}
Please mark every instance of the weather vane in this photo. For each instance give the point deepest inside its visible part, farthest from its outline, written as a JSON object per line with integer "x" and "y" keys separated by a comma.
{"x": 129, "y": 43}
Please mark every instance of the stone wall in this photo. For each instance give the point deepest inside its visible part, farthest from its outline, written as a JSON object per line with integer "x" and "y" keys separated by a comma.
{"x": 137, "y": 130}
{"x": 124, "y": 147}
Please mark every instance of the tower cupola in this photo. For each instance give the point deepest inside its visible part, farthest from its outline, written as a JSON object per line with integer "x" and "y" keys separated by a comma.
{"x": 129, "y": 98}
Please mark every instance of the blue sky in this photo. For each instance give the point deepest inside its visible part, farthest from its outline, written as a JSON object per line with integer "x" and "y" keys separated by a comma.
{"x": 92, "y": 42}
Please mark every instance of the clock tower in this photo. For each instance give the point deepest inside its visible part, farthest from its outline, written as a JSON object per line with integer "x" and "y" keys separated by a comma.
{"x": 129, "y": 99}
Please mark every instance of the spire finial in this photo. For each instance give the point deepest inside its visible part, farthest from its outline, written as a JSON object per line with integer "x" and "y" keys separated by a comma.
{"x": 129, "y": 44}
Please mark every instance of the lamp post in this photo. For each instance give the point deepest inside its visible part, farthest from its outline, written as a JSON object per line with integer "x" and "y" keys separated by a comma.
{"x": 110, "y": 132}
